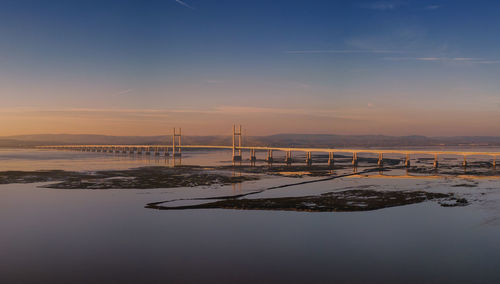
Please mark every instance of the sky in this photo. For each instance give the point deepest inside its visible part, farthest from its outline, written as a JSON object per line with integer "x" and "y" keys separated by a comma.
{"x": 141, "y": 67}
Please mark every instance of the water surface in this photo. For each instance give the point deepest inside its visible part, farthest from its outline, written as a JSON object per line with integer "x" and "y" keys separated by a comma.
{"x": 107, "y": 236}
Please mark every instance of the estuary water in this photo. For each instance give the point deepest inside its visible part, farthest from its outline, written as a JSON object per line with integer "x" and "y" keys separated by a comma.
{"x": 107, "y": 236}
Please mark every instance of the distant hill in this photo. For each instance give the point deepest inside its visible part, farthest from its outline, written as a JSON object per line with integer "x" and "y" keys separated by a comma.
{"x": 282, "y": 140}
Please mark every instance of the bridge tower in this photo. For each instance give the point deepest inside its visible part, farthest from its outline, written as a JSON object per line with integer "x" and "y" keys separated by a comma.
{"x": 236, "y": 133}
{"x": 179, "y": 136}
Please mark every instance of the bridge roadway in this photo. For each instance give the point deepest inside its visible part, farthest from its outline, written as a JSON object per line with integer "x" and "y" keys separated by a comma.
{"x": 285, "y": 149}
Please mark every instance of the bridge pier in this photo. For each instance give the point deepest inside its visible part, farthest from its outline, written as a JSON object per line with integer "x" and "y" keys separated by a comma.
{"x": 331, "y": 161}
{"x": 407, "y": 161}
{"x": 269, "y": 157}
{"x": 380, "y": 161}
{"x": 355, "y": 159}
{"x": 288, "y": 157}
{"x": 253, "y": 158}
{"x": 308, "y": 158}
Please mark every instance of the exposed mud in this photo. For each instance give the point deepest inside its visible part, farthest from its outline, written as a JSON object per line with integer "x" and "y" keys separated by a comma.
{"x": 141, "y": 178}
{"x": 343, "y": 201}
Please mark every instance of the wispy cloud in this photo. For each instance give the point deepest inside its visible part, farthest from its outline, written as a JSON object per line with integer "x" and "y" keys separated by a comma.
{"x": 474, "y": 60}
{"x": 222, "y": 110}
{"x": 124, "y": 92}
{"x": 382, "y": 5}
{"x": 433, "y": 7}
{"x": 342, "y": 51}
{"x": 212, "y": 81}
{"x": 488, "y": 62}
{"x": 184, "y": 4}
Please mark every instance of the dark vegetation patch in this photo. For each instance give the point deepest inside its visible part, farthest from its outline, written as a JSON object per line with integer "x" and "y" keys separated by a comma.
{"x": 142, "y": 178}
{"x": 8, "y": 177}
{"x": 465, "y": 185}
{"x": 454, "y": 202}
{"x": 343, "y": 201}
{"x": 474, "y": 169}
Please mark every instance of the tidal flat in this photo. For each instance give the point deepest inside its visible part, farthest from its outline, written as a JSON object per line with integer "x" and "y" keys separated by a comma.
{"x": 350, "y": 200}
{"x": 141, "y": 178}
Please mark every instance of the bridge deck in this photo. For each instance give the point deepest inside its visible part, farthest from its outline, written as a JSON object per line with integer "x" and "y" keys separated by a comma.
{"x": 321, "y": 150}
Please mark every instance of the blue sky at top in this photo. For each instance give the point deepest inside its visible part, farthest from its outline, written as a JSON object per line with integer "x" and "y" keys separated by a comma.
{"x": 203, "y": 54}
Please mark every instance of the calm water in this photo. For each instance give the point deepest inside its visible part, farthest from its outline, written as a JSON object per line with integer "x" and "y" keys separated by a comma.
{"x": 107, "y": 236}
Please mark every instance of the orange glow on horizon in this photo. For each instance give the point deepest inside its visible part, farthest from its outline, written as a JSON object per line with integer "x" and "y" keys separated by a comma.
{"x": 256, "y": 121}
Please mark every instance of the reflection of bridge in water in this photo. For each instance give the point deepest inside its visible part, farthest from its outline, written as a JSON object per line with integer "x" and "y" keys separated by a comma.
{"x": 175, "y": 149}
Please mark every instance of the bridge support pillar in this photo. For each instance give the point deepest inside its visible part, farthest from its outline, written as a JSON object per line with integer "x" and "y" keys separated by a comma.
{"x": 269, "y": 157}
{"x": 288, "y": 157}
{"x": 354, "y": 159}
{"x": 407, "y": 161}
{"x": 331, "y": 161}
{"x": 308, "y": 158}
{"x": 253, "y": 158}
{"x": 380, "y": 161}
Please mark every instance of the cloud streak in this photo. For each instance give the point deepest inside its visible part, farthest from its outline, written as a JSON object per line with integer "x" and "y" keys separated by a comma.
{"x": 473, "y": 60}
{"x": 184, "y": 4}
{"x": 124, "y": 92}
{"x": 382, "y": 5}
{"x": 342, "y": 51}
{"x": 432, "y": 7}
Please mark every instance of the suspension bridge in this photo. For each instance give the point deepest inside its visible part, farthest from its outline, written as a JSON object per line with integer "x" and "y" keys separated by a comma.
{"x": 175, "y": 149}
